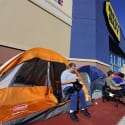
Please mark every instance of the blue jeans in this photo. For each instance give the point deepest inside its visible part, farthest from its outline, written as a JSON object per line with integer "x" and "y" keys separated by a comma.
{"x": 74, "y": 99}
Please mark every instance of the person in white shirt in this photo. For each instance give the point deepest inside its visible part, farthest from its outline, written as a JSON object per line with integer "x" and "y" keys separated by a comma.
{"x": 68, "y": 78}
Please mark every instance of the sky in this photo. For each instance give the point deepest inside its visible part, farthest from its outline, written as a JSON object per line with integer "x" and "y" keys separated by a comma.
{"x": 119, "y": 8}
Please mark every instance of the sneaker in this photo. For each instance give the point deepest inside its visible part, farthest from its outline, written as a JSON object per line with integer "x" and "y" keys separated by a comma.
{"x": 73, "y": 117}
{"x": 86, "y": 113}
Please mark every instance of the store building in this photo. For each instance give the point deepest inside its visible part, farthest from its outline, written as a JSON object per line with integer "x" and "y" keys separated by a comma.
{"x": 86, "y": 32}
{"x": 96, "y": 35}
{"x": 34, "y": 23}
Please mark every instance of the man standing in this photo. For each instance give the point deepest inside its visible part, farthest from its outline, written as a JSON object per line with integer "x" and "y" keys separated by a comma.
{"x": 68, "y": 78}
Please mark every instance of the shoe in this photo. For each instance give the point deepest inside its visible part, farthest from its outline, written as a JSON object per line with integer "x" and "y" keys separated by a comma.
{"x": 73, "y": 117}
{"x": 86, "y": 113}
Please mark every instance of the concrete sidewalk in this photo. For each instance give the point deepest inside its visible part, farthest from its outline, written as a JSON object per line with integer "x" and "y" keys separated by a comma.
{"x": 122, "y": 121}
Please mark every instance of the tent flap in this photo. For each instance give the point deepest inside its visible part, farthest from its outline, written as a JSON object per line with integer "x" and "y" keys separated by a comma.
{"x": 21, "y": 101}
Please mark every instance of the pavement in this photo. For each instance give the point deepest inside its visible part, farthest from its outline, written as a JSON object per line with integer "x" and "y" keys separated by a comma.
{"x": 122, "y": 121}
{"x": 103, "y": 113}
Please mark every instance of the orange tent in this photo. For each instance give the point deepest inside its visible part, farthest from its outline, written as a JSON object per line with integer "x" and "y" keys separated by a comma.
{"x": 30, "y": 83}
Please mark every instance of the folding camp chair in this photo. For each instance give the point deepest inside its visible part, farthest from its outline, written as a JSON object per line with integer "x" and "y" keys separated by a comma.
{"x": 108, "y": 95}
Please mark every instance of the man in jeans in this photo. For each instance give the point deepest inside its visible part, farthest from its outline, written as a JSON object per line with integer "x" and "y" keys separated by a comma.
{"x": 68, "y": 77}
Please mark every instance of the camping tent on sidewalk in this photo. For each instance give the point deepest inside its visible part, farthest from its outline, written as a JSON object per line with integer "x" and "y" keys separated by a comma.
{"x": 30, "y": 85}
{"x": 94, "y": 78}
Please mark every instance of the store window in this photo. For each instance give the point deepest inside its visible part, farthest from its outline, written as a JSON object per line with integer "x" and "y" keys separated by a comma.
{"x": 116, "y": 62}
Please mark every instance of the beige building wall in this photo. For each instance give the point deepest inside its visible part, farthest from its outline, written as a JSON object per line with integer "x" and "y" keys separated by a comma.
{"x": 25, "y": 24}
{"x": 66, "y": 6}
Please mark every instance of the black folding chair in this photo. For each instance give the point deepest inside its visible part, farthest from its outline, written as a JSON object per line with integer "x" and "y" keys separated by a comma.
{"x": 109, "y": 95}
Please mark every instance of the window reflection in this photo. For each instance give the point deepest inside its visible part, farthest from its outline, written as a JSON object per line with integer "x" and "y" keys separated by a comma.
{"x": 116, "y": 62}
